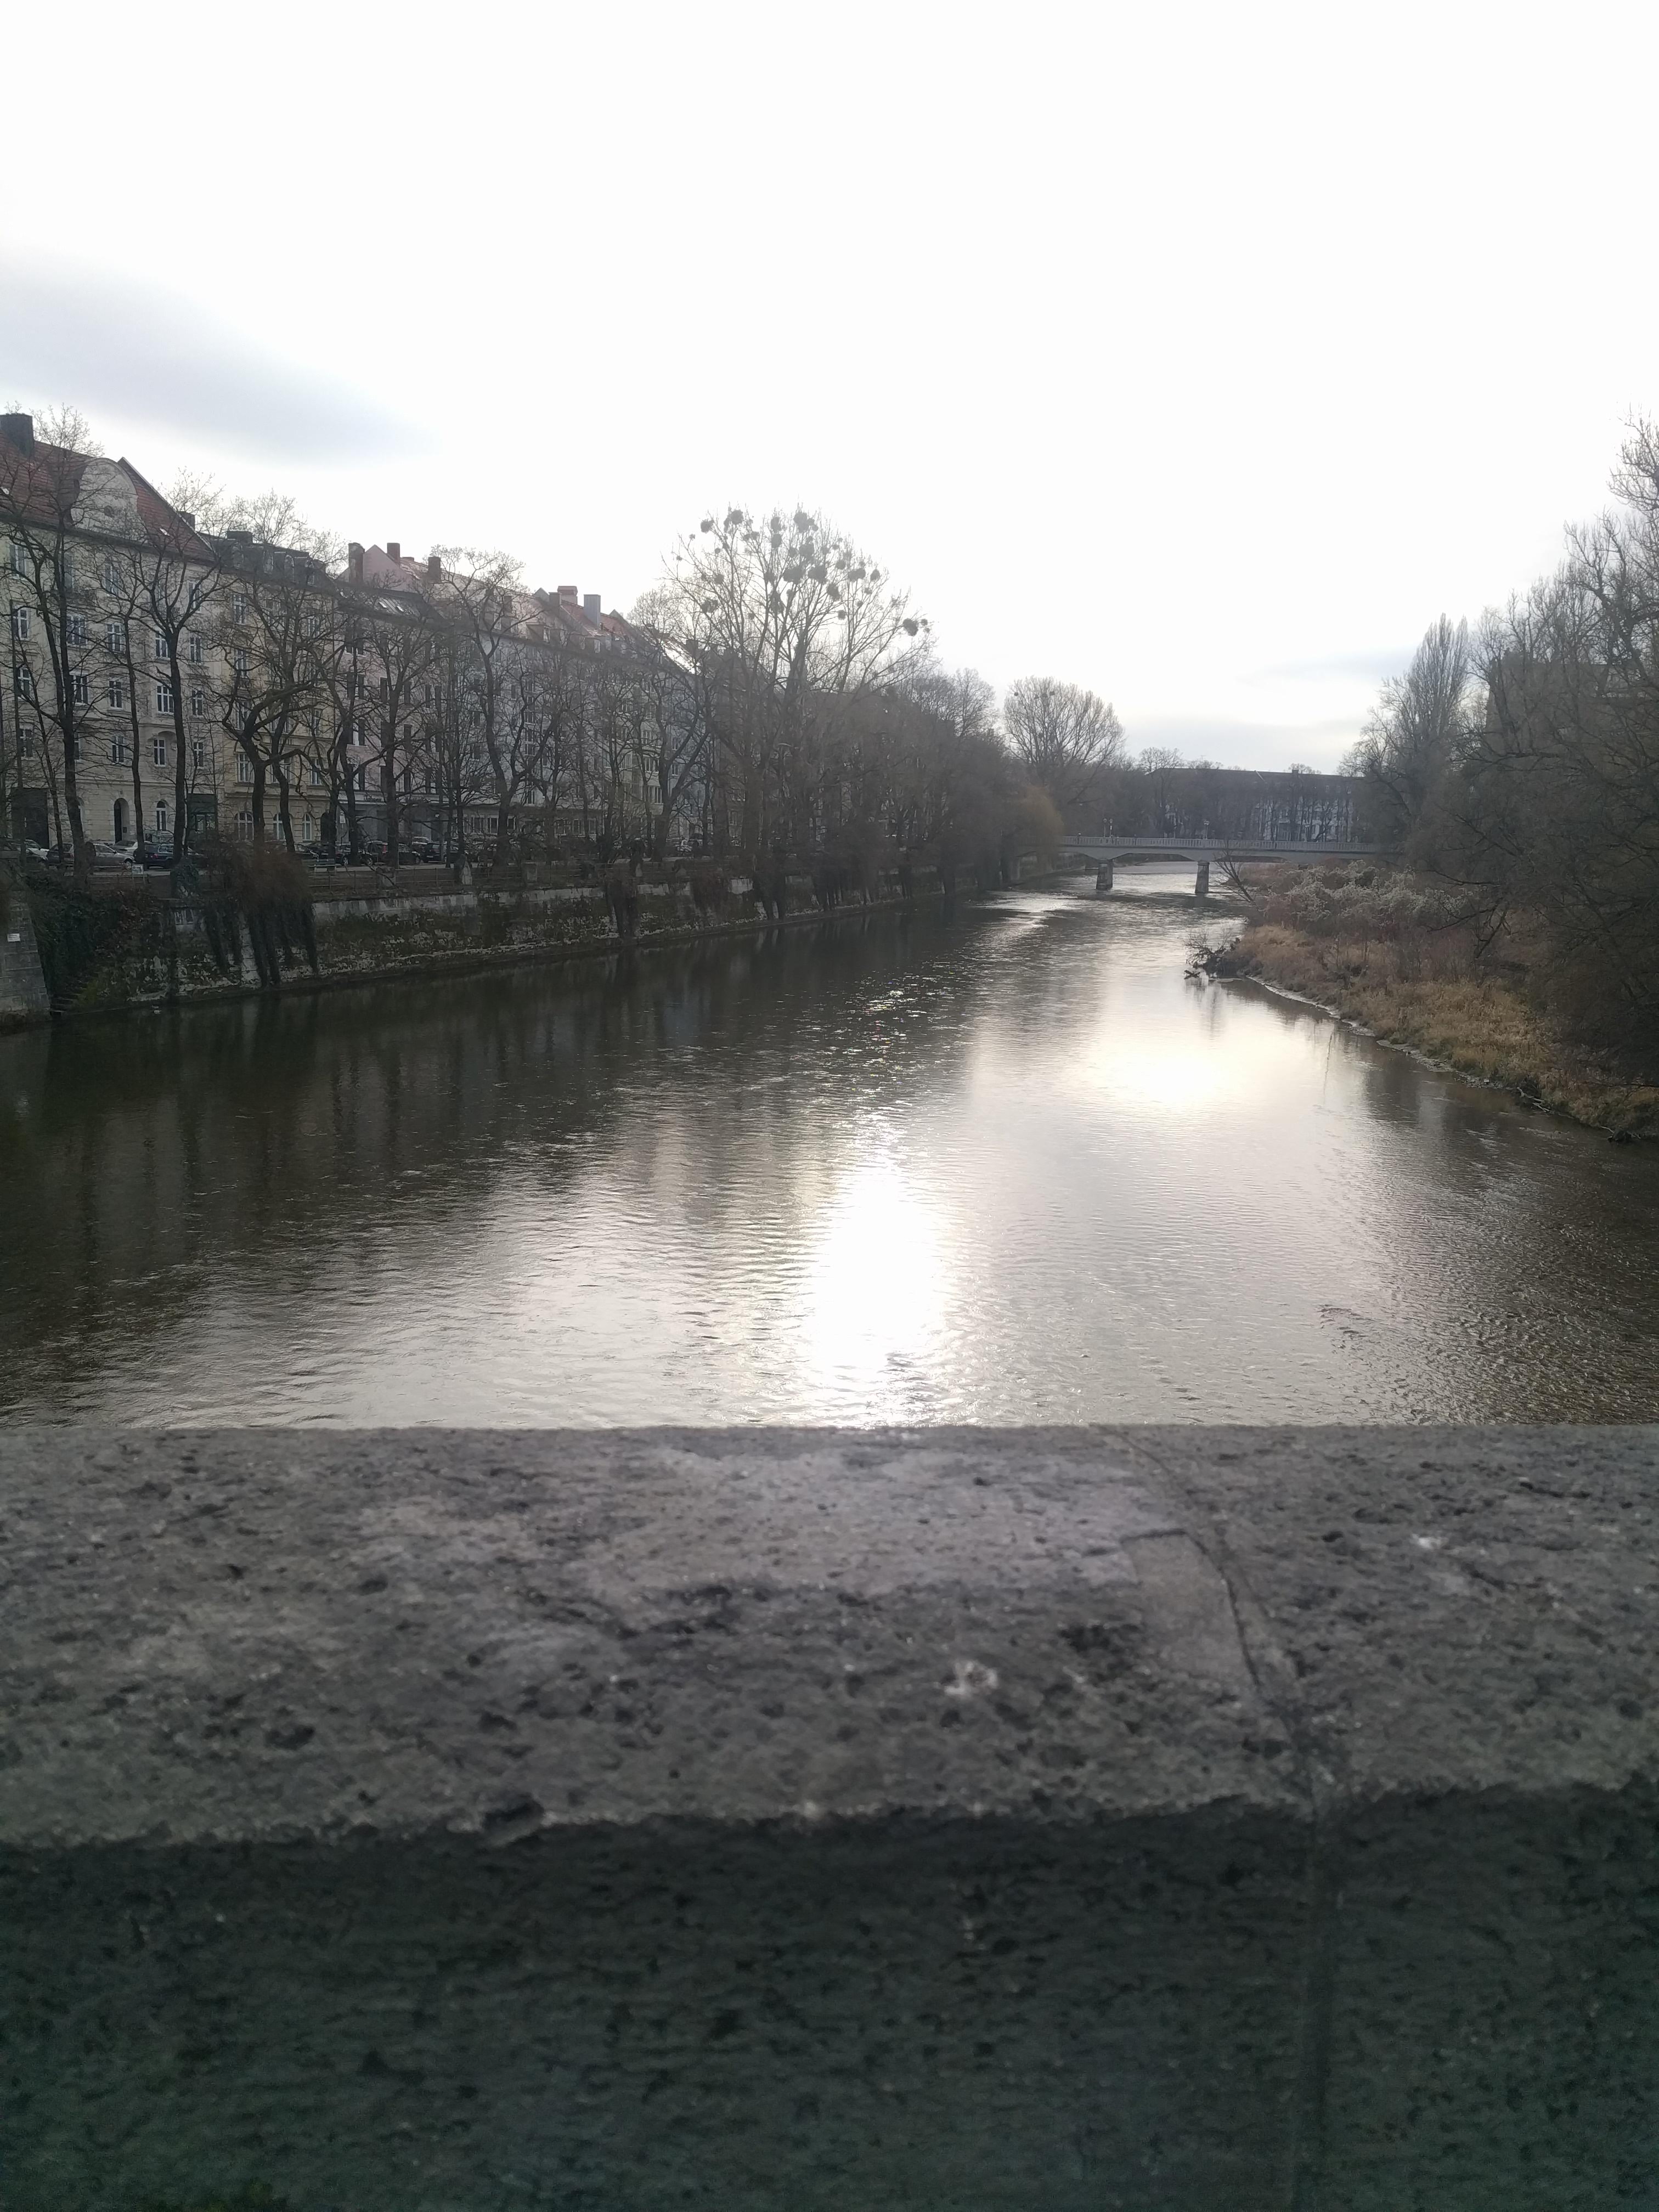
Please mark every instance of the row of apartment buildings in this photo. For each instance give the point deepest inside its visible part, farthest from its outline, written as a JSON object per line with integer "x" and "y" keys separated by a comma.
{"x": 199, "y": 678}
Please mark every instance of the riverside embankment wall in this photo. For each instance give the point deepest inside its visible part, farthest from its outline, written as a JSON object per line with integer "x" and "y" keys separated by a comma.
{"x": 23, "y": 996}
{"x": 1108, "y": 1818}
{"x": 153, "y": 949}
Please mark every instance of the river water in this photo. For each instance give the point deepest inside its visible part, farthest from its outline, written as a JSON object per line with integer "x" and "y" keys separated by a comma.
{"x": 1015, "y": 1167}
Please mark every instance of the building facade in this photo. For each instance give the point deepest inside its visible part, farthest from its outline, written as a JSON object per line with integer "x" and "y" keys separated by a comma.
{"x": 164, "y": 678}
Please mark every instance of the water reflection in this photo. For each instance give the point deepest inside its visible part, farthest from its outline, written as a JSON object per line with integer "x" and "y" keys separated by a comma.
{"x": 1015, "y": 1169}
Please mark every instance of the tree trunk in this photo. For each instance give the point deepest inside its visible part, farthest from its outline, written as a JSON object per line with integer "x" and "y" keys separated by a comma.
{"x": 389, "y": 791}
{"x": 180, "y": 765}
{"x": 139, "y": 836}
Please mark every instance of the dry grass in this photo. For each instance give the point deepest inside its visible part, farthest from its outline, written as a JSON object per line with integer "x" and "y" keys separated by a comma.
{"x": 1382, "y": 953}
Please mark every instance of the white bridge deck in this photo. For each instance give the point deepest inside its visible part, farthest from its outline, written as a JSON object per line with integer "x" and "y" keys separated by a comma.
{"x": 1213, "y": 848}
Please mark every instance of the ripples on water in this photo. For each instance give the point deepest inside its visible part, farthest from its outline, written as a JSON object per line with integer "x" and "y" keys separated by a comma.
{"x": 1017, "y": 1169}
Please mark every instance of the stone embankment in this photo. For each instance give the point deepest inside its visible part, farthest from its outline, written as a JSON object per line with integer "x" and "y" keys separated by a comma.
{"x": 23, "y": 996}
{"x": 1136, "y": 1818}
{"x": 131, "y": 945}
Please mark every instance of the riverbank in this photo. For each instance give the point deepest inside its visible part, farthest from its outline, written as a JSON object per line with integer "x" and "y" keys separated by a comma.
{"x": 130, "y": 951}
{"x": 1377, "y": 949}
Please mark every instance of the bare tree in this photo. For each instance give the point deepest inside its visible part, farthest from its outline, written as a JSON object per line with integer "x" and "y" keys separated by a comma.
{"x": 1067, "y": 739}
{"x": 673, "y": 720}
{"x": 779, "y": 621}
{"x": 396, "y": 634}
{"x": 276, "y": 640}
{"x": 479, "y": 594}
{"x": 42, "y": 479}
{"x": 1415, "y": 731}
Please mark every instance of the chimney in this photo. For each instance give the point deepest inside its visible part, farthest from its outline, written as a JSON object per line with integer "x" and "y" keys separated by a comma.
{"x": 354, "y": 561}
{"x": 20, "y": 429}
{"x": 186, "y": 518}
{"x": 394, "y": 551}
{"x": 590, "y": 607}
{"x": 434, "y": 569}
{"x": 567, "y": 595}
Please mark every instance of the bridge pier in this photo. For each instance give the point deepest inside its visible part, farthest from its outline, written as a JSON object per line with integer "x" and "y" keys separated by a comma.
{"x": 1201, "y": 887}
{"x": 1102, "y": 877}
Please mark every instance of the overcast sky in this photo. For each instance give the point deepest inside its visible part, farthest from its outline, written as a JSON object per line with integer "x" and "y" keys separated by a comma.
{"x": 1202, "y": 355}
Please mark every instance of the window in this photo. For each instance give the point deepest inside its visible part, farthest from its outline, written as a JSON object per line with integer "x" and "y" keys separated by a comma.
{"x": 158, "y": 748}
{"x": 198, "y": 753}
{"x": 115, "y": 691}
{"x": 112, "y": 574}
{"x": 314, "y": 624}
{"x": 118, "y": 748}
{"x": 161, "y": 817}
{"x": 164, "y": 698}
{"x": 239, "y": 660}
{"x": 26, "y": 745}
{"x": 310, "y": 832}
{"x": 239, "y": 606}
{"x": 69, "y": 568}
{"x": 77, "y": 629}
{"x": 245, "y": 825}
{"x": 198, "y": 706}
{"x": 161, "y": 645}
{"x": 193, "y": 650}
{"x": 115, "y": 637}
{"x": 244, "y": 768}
{"x": 20, "y": 623}
{"x": 80, "y": 746}
{"x": 20, "y": 566}
{"x": 25, "y": 676}
{"x": 81, "y": 687}
{"x": 317, "y": 778}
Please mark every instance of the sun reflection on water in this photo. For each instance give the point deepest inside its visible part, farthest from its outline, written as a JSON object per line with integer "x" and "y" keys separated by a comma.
{"x": 875, "y": 1276}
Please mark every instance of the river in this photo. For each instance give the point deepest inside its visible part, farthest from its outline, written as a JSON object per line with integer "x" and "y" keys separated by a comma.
{"x": 1013, "y": 1168}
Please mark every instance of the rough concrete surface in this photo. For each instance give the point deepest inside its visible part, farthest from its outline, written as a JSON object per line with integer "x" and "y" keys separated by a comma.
{"x": 23, "y": 994}
{"x": 1057, "y": 1818}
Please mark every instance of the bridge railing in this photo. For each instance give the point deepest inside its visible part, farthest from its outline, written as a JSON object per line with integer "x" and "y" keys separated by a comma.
{"x": 1245, "y": 847}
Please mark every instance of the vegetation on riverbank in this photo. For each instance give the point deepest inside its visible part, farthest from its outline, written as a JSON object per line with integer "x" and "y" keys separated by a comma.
{"x": 1518, "y": 770}
{"x": 1398, "y": 954}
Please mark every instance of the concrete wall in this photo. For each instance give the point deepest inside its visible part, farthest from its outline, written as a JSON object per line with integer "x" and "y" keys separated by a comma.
{"x": 1113, "y": 1817}
{"x": 374, "y": 928}
{"x": 23, "y": 995}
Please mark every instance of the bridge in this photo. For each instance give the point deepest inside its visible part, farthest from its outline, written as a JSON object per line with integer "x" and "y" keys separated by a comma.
{"x": 1103, "y": 851}
{"x": 464, "y": 1818}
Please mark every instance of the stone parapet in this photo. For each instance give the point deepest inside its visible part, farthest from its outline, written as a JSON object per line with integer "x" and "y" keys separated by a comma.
{"x": 1111, "y": 1817}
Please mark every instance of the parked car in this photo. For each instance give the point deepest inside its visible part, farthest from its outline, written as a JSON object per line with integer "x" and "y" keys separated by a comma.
{"x": 108, "y": 856}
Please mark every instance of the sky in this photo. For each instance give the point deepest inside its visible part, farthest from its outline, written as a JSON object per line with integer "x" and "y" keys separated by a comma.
{"x": 1201, "y": 355}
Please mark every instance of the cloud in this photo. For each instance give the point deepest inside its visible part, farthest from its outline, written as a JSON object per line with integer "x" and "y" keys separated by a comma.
{"x": 1373, "y": 663}
{"x": 1245, "y": 744}
{"x": 96, "y": 342}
